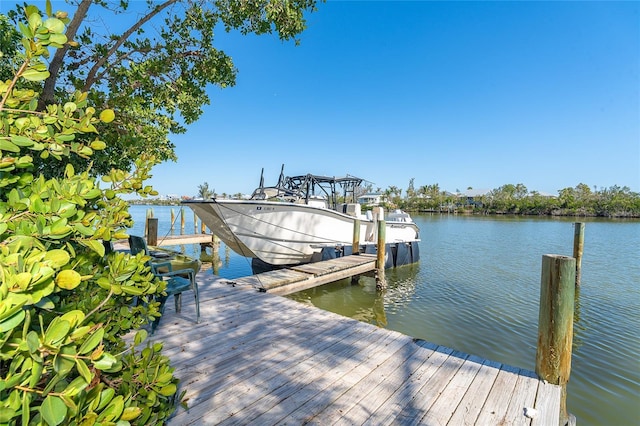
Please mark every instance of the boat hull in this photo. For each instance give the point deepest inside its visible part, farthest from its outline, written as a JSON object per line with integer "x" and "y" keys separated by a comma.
{"x": 288, "y": 233}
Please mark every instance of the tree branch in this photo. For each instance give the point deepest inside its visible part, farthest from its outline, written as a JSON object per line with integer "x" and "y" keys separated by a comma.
{"x": 58, "y": 58}
{"x": 13, "y": 83}
{"x": 91, "y": 77}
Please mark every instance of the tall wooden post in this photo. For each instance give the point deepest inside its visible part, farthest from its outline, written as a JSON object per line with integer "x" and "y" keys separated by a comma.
{"x": 578, "y": 247}
{"x": 555, "y": 323}
{"x": 152, "y": 231}
{"x": 195, "y": 223}
{"x": 182, "y": 221}
{"x": 381, "y": 282}
{"x": 355, "y": 245}
{"x": 173, "y": 220}
{"x": 146, "y": 222}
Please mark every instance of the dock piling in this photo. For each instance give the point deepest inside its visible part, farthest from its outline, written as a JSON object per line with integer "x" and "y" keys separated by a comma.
{"x": 555, "y": 323}
{"x": 182, "y": 221}
{"x": 381, "y": 282}
{"x": 148, "y": 214}
{"x": 355, "y": 245}
{"x": 152, "y": 231}
{"x": 578, "y": 247}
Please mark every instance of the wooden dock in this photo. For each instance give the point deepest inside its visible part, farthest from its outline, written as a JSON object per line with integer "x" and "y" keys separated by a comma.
{"x": 258, "y": 358}
{"x": 301, "y": 277}
{"x": 177, "y": 240}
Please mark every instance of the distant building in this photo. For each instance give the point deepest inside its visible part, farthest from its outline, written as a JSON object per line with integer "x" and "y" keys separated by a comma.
{"x": 370, "y": 199}
{"x": 473, "y": 197}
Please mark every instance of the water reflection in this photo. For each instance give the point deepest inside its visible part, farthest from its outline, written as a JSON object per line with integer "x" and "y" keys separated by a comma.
{"x": 359, "y": 298}
{"x": 578, "y": 326}
{"x": 210, "y": 254}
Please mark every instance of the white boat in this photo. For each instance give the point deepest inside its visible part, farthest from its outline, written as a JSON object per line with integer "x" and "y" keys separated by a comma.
{"x": 291, "y": 222}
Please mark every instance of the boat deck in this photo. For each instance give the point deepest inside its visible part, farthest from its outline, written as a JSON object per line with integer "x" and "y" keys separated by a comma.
{"x": 258, "y": 358}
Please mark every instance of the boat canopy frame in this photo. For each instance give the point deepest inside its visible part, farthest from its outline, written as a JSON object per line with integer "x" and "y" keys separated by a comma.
{"x": 305, "y": 187}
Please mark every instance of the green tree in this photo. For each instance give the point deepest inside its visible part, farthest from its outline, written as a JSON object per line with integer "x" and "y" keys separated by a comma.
{"x": 431, "y": 196}
{"x": 66, "y": 303}
{"x": 393, "y": 196}
{"x": 155, "y": 72}
{"x": 9, "y": 39}
{"x": 411, "y": 190}
{"x": 204, "y": 192}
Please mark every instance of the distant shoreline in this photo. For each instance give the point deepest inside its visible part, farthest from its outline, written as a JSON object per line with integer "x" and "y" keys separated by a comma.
{"x": 579, "y": 212}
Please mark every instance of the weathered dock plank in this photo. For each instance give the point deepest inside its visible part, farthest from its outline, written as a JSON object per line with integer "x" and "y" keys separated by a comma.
{"x": 257, "y": 358}
{"x": 178, "y": 240}
{"x": 468, "y": 409}
{"x": 302, "y": 277}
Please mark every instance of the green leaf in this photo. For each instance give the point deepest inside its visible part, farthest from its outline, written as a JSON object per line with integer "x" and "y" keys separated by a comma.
{"x": 36, "y": 374}
{"x": 105, "y": 362}
{"x": 54, "y": 25}
{"x": 107, "y": 116}
{"x": 113, "y": 410}
{"x": 85, "y": 150}
{"x": 76, "y": 386}
{"x": 57, "y": 331}
{"x": 35, "y": 20}
{"x": 46, "y": 303}
{"x": 168, "y": 390}
{"x": 26, "y": 413}
{"x": 33, "y": 341}
{"x": 25, "y": 30}
{"x": 84, "y": 370}
{"x": 63, "y": 364}
{"x": 94, "y": 245}
{"x": 21, "y": 140}
{"x": 80, "y": 332}
{"x": 105, "y": 397}
{"x": 98, "y": 145}
{"x": 6, "y": 145}
{"x": 84, "y": 230}
{"x": 92, "y": 193}
{"x": 74, "y": 317}
{"x": 140, "y": 337}
{"x": 33, "y": 75}
{"x": 91, "y": 342}
{"x": 53, "y": 410}
{"x": 68, "y": 279}
{"x": 12, "y": 322}
{"x": 57, "y": 258}
{"x": 58, "y": 38}
{"x": 130, "y": 413}
{"x": 131, "y": 290}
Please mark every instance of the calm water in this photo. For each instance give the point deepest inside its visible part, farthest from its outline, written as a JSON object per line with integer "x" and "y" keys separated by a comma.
{"x": 477, "y": 289}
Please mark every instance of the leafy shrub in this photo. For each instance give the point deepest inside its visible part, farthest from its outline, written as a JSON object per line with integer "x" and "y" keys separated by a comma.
{"x": 66, "y": 306}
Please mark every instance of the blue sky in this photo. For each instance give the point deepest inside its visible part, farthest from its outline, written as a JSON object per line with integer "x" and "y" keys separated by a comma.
{"x": 462, "y": 94}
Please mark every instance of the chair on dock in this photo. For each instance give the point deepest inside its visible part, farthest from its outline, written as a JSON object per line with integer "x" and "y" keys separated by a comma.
{"x": 178, "y": 281}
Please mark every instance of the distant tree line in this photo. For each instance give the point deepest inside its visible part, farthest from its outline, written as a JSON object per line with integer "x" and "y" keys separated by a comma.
{"x": 581, "y": 200}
